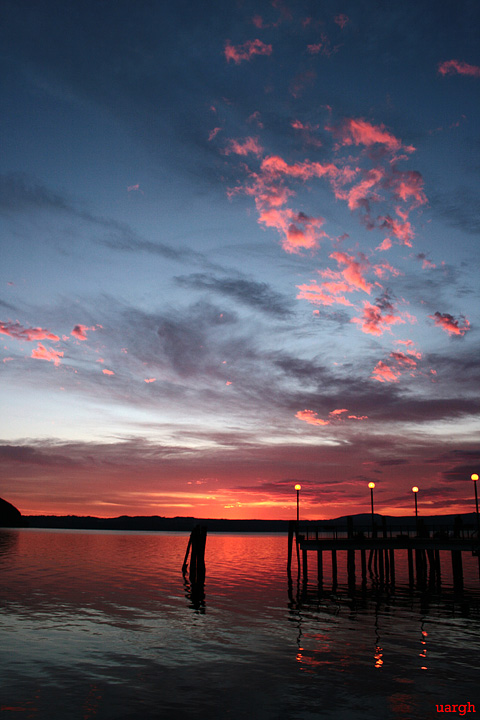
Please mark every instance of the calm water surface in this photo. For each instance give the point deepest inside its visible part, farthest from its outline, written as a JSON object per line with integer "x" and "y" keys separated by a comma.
{"x": 102, "y": 625}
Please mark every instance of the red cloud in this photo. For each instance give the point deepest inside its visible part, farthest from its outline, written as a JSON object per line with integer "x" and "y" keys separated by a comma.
{"x": 450, "y": 325}
{"x": 15, "y": 330}
{"x": 43, "y": 353}
{"x": 80, "y": 331}
{"x": 246, "y": 51}
{"x": 249, "y": 145}
{"x": 450, "y": 67}
{"x": 360, "y": 132}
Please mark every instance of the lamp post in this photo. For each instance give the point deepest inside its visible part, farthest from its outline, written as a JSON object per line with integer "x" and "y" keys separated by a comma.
{"x": 474, "y": 477}
{"x": 415, "y": 491}
{"x": 371, "y": 485}
{"x": 298, "y": 488}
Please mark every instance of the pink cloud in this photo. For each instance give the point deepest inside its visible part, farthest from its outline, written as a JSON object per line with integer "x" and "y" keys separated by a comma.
{"x": 403, "y": 231}
{"x": 385, "y": 268}
{"x": 255, "y": 117}
{"x": 399, "y": 362}
{"x": 132, "y": 188}
{"x": 377, "y": 319}
{"x": 107, "y": 372}
{"x": 150, "y": 380}
{"x": 335, "y": 417}
{"x": 452, "y": 67}
{"x": 360, "y": 132}
{"x": 257, "y": 21}
{"x": 386, "y": 244}
{"x": 249, "y": 145}
{"x": 213, "y": 133}
{"x": 354, "y": 272}
{"x": 15, "y": 330}
{"x": 43, "y": 353}
{"x": 410, "y": 348}
{"x": 341, "y": 20}
{"x": 426, "y": 263}
{"x": 361, "y": 194}
{"x": 311, "y": 417}
{"x": 384, "y": 373}
{"x": 452, "y": 326}
{"x": 315, "y": 48}
{"x": 237, "y": 53}
{"x": 80, "y": 331}
{"x": 324, "y": 294}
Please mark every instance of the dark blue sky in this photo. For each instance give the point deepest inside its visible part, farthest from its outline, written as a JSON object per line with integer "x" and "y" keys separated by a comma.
{"x": 239, "y": 250}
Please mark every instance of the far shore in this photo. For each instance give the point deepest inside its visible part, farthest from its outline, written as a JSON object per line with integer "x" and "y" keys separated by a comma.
{"x": 157, "y": 523}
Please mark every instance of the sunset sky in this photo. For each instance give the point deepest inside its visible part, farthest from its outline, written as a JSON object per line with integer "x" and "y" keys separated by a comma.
{"x": 239, "y": 251}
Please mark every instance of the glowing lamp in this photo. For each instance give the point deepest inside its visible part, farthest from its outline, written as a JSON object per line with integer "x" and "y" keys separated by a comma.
{"x": 474, "y": 477}
{"x": 298, "y": 487}
{"x": 414, "y": 489}
{"x": 371, "y": 485}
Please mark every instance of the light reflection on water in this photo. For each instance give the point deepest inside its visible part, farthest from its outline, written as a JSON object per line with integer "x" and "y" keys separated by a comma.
{"x": 103, "y": 625}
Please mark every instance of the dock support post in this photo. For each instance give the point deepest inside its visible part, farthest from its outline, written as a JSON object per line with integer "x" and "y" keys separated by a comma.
{"x": 290, "y": 544}
{"x": 305, "y": 565}
{"x": 334, "y": 568}
{"x": 457, "y": 569}
{"x": 320, "y": 568}
{"x": 380, "y": 562}
{"x": 351, "y": 568}
{"x": 363, "y": 557}
{"x": 392, "y": 566}
{"x": 410, "y": 566}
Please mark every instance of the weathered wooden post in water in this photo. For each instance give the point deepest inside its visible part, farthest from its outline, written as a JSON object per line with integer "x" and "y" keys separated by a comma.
{"x": 196, "y": 548}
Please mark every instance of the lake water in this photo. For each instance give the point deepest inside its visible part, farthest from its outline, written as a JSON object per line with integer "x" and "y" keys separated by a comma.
{"x": 102, "y": 625}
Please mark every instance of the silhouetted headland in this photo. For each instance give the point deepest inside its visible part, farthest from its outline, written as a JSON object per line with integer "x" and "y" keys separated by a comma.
{"x": 10, "y": 516}
{"x": 186, "y": 524}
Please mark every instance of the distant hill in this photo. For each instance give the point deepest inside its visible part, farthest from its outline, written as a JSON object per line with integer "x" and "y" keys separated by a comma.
{"x": 10, "y": 516}
{"x": 186, "y": 524}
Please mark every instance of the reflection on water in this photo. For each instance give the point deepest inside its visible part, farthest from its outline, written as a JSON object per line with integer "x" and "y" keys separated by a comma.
{"x": 105, "y": 626}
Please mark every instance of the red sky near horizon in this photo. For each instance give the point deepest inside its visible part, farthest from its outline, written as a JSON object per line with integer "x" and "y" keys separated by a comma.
{"x": 240, "y": 257}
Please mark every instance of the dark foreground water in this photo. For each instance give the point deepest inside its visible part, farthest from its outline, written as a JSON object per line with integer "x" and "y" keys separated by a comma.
{"x": 101, "y": 625}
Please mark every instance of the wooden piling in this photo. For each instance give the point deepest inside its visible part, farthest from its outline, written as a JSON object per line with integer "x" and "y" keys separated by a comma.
{"x": 196, "y": 548}
{"x": 320, "y": 568}
{"x": 334, "y": 568}
{"x": 363, "y": 556}
{"x": 410, "y": 567}
{"x": 392, "y": 566}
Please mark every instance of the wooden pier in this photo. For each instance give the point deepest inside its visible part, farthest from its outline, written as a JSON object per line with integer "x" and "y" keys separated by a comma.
{"x": 423, "y": 552}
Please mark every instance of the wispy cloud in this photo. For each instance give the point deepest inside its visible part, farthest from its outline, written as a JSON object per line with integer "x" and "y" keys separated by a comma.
{"x": 253, "y": 294}
{"x": 458, "y": 67}
{"x": 245, "y": 51}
